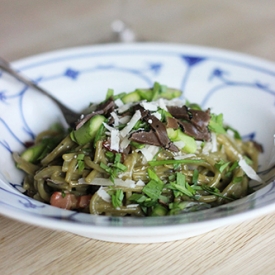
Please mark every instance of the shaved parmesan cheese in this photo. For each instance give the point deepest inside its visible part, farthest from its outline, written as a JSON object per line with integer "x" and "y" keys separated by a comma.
{"x": 108, "y": 127}
{"x": 119, "y": 102}
{"x": 125, "y": 183}
{"x": 124, "y": 119}
{"x": 230, "y": 132}
{"x": 207, "y": 148}
{"x": 135, "y": 118}
{"x": 124, "y": 143}
{"x": 149, "y": 151}
{"x": 140, "y": 183}
{"x": 249, "y": 171}
{"x": 180, "y": 144}
{"x": 162, "y": 104}
{"x": 149, "y": 106}
{"x": 116, "y": 118}
{"x": 103, "y": 194}
{"x": 214, "y": 142}
{"x": 157, "y": 115}
{"x": 124, "y": 107}
{"x": 115, "y": 139}
{"x": 117, "y": 182}
{"x": 174, "y": 102}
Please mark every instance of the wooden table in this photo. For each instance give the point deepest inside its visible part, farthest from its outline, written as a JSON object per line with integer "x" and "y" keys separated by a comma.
{"x": 30, "y": 27}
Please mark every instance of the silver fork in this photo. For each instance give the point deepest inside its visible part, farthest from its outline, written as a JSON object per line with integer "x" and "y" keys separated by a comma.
{"x": 70, "y": 116}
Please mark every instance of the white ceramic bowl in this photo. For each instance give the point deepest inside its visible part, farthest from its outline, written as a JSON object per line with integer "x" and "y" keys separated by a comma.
{"x": 239, "y": 86}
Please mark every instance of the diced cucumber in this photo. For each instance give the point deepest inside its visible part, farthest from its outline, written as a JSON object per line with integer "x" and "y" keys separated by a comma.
{"x": 88, "y": 131}
{"x": 131, "y": 97}
{"x": 177, "y": 135}
{"x": 41, "y": 149}
{"x": 100, "y": 134}
{"x": 170, "y": 93}
{"x": 33, "y": 153}
{"x": 145, "y": 94}
{"x": 162, "y": 91}
{"x": 172, "y": 134}
{"x": 164, "y": 114}
{"x": 110, "y": 93}
{"x": 159, "y": 210}
{"x": 154, "y": 93}
{"x": 137, "y": 145}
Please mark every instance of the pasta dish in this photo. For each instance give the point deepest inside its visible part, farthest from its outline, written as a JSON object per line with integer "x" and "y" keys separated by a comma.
{"x": 143, "y": 153}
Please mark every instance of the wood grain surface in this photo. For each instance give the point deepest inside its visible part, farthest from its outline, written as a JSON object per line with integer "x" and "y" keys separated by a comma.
{"x": 30, "y": 27}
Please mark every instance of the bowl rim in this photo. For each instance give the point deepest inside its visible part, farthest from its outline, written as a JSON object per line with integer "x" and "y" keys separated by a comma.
{"x": 77, "y": 52}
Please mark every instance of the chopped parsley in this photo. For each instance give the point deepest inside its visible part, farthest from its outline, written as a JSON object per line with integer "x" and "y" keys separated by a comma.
{"x": 139, "y": 198}
{"x": 221, "y": 165}
{"x": 181, "y": 186}
{"x": 195, "y": 177}
{"x": 100, "y": 134}
{"x": 117, "y": 198}
{"x": 109, "y": 94}
{"x": 159, "y": 210}
{"x": 110, "y": 155}
{"x": 80, "y": 162}
{"x": 113, "y": 169}
{"x": 231, "y": 169}
{"x": 216, "y": 124}
{"x": 235, "y": 132}
{"x": 237, "y": 179}
{"x": 154, "y": 187}
{"x": 214, "y": 191}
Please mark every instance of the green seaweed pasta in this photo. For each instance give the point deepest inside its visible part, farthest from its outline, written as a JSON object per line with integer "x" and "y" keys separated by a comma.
{"x": 144, "y": 153}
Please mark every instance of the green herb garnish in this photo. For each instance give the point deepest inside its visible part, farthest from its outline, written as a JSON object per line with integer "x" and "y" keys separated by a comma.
{"x": 231, "y": 169}
{"x": 159, "y": 210}
{"x": 195, "y": 177}
{"x": 236, "y": 133}
{"x": 237, "y": 179}
{"x": 113, "y": 169}
{"x": 181, "y": 186}
{"x": 214, "y": 191}
{"x": 110, "y": 155}
{"x": 221, "y": 165}
{"x": 110, "y": 93}
{"x": 100, "y": 134}
{"x": 117, "y": 198}
{"x": 216, "y": 124}
{"x": 139, "y": 198}
{"x": 80, "y": 162}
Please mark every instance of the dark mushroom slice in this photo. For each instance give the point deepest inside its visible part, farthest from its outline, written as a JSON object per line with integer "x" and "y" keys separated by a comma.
{"x": 190, "y": 130}
{"x": 198, "y": 118}
{"x": 103, "y": 108}
{"x": 158, "y": 127}
{"x": 106, "y": 106}
{"x": 172, "y": 123}
{"x": 146, "y": 138}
